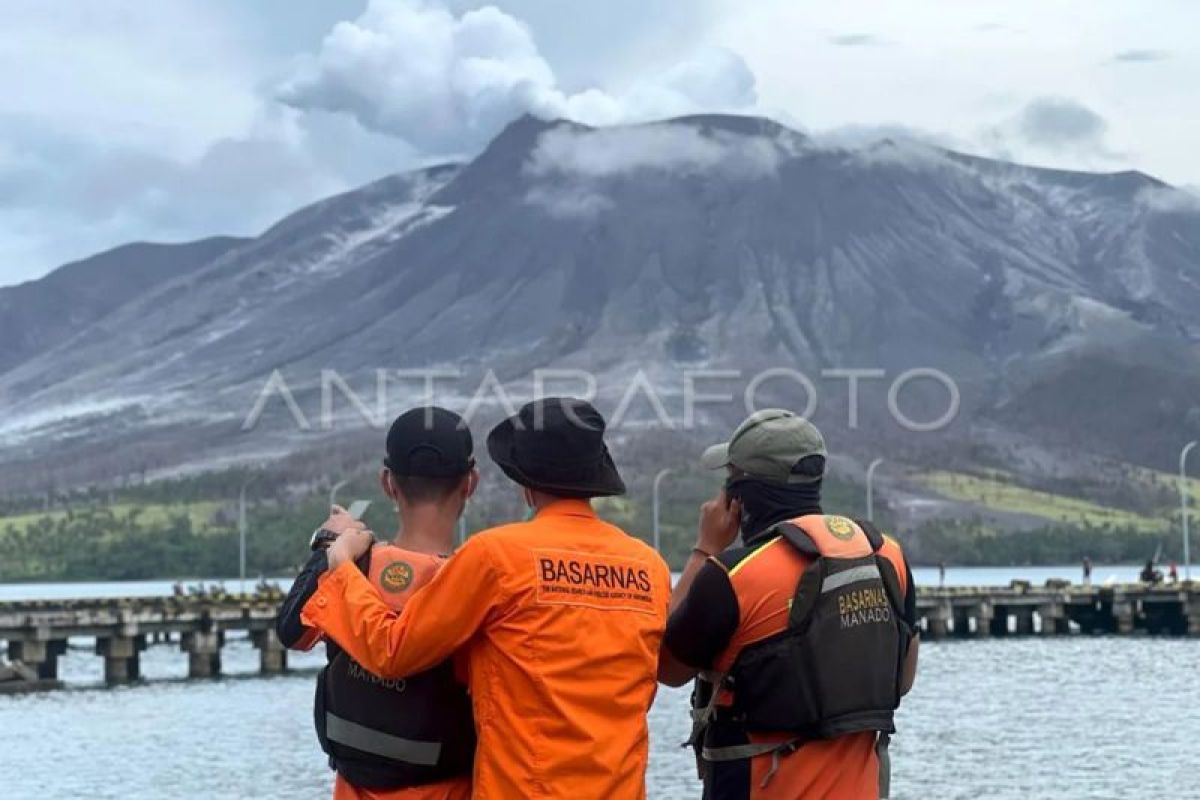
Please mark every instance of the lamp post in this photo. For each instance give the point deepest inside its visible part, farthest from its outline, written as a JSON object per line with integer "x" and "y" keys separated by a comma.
{"x": 242, "y": 535}
{"x": 871, "y": 488}
{"x": 662, "y": 473}
{"x": 1183, "y": 508}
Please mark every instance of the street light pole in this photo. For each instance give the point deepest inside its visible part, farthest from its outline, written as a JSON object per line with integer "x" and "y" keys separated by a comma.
{"x": 662, "y": 473}
{"x": 1183, "y": 508}
{"x": 242, "y": 536}
{"x": 871, "y": 488}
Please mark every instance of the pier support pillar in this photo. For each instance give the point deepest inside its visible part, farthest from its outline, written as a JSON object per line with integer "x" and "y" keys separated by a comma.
{"x": 983, "y": 619}
{"x": 122, "y": 662}
{"x": 938, "y": 621}
{"x": 1123, "y": 616}
{"x": 999, "y": 624}
{"x": 1054, "y": 620}
{"x": 204, "y": 653}
{"x": 40, "y": 655}
{"x": 1024, "y": 621}
{"x": 272, "y": 655}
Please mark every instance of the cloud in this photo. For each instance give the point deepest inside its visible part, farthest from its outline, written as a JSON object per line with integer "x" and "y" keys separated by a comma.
{"x": 109, "y": 193}
{"x": 243, "y": 120}
{"x": 576, "y": 162}
{"x": 857, "y": 40}
{"x": 1059, "y": 123}
{"x": 446, "y": 82}
{"x": 675, "y": 148}
{"x": 576, "y": 201}
{"x": 1140, "y": 56}
{"x": 105, "y": 142}
{"x": 1170, "y": 200}
{"x": 862, "y": 136}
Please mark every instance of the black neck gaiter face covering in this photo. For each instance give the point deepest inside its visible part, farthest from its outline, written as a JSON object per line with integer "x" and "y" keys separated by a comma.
{"x": 765, "y": 505}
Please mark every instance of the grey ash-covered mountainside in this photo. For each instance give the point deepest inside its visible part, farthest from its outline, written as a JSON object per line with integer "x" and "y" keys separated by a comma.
{"x": 1064, "y": 304}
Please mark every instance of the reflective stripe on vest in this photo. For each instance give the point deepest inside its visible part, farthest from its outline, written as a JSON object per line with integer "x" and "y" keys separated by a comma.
{"x": 846, "y": 577}
{"x": 378, "y": 743}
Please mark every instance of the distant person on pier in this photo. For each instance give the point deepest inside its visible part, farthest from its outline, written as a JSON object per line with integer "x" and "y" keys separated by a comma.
{"x": 1173, "y": 573}
{"x": 1151, "y": 574}
{"x": 802, "y": 637}
{"x": 1087, "y": 571}
{"x": 559, "y": 618}
{"x": 388, "y": 739}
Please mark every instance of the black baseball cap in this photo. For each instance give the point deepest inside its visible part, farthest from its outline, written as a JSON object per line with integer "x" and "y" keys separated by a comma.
{"x": 430, "y": 442}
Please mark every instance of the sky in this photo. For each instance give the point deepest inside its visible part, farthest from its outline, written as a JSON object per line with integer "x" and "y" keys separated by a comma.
{"x": 122, "y": 120}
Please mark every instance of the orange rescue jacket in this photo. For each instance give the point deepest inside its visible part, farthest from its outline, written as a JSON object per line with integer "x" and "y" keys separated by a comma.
{"x": 559, "y": 619}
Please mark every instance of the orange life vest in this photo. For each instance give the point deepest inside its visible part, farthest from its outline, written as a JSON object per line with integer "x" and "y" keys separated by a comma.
{"x": 389, "y": 734}
{"x": 820, "y": 648}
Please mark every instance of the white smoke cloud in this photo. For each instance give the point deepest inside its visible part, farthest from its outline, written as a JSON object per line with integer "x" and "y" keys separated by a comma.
{"x": 446, "y": 83}
{"x": 1170, "y": 199}
{"x": 570, "y": 201}
{"x": 574, "y": 162}
{"x": 607, "y": 152}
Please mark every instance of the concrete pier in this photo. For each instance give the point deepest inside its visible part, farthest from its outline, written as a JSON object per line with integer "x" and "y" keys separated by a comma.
{"x": 37, "y": 632}
{"x": 1060, "y": 609}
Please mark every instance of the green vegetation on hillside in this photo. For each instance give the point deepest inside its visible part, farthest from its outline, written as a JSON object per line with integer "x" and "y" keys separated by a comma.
{"x": 998, "y": 492}
{"x": 186, "y": 528}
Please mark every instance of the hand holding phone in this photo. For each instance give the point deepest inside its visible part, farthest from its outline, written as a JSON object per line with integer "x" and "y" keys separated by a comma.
{"x": 339, "y": 520}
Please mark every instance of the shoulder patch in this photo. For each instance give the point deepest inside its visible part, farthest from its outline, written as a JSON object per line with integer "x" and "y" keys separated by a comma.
{"x": 396, "y": 577}
{"x": 840, "y": 527}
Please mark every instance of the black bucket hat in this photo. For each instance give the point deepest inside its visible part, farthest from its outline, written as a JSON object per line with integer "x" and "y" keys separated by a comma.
{"x": 556, "y": 445}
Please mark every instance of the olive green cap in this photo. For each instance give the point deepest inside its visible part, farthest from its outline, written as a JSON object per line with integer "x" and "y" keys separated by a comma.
{"x": 769, "y": 444}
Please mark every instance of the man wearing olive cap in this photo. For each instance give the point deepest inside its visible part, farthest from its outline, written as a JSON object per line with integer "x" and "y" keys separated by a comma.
{"x": 802, "y": 638}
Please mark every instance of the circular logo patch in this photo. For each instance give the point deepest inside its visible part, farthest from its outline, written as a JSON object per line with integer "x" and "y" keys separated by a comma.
{"x": 396, "y": 576}
{"x": 840, "y": 527}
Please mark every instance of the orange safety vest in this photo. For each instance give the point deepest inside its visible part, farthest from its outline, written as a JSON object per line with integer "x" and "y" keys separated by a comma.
{"x": 408, "y": 739}
{"x": 815, "y": 661}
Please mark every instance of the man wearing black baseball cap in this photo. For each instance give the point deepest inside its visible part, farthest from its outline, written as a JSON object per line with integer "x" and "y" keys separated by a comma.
{"x": 560, "y": 618}
{"x": 413, "y": 739}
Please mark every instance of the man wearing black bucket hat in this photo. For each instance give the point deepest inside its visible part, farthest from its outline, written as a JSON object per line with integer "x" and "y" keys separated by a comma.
{"x": 560, "y": 619}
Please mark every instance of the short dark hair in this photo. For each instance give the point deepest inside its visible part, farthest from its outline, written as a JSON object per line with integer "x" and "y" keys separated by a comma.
{"x": 425, "y": 488}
